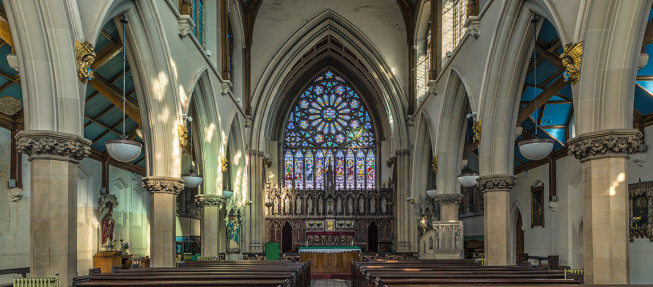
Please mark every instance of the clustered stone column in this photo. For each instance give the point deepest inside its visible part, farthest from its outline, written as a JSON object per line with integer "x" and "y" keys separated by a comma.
{"x": 54, "y": 157}
{"x": 496, "y": 191}
{"x": 448, "y": 205}
{"x": 211, "y": 205}
{"x": 163, "y": 204}
{"x": 603, "y": 157}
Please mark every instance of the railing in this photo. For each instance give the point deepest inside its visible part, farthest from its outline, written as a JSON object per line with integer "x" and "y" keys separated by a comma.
{"x": 36, "y": 282}
{"x": 207, "y": 258}
{"x": 580, "y": 272}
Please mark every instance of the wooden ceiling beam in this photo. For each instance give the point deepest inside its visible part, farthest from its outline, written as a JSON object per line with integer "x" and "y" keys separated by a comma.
{"x": 541, "y": 99}
{"x": 106, "y": 54}
{"x": 114, "y": 96}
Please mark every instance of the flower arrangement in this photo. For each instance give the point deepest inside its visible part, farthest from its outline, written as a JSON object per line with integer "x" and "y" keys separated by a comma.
{"x": 124, "y": 245}
{"x": 636, "y": 220}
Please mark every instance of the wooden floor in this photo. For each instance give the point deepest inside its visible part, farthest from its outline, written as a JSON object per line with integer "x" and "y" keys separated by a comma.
{"x": 330, "y": 283}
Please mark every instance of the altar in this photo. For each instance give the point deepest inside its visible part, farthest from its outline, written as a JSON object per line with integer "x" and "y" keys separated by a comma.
{"x": 330, "y": 237}
{"x": 330, "y": 259}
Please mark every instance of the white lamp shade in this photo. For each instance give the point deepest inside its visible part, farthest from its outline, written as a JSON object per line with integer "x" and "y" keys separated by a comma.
{"x": 468, "y": 179}
{"x": 227, "y": 193}
{"x": 123, "y": 150}
{"x": 192, "y": 180}
{"x": 432, "y": 193}
{"x": 536, "y": 149}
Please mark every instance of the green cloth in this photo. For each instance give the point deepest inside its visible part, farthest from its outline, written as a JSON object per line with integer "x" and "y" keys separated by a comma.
{"x": 272, "y": 251}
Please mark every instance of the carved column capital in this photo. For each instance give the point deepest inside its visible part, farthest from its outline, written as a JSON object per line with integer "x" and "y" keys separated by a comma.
{"x": 53, "y": 145}
{"x": 496, "y": 182}
{"x": 605, "y": 144}
{"x": 156, "y": 184}
{"x": 448, "y": 199}
{"x": 209, "y": 200}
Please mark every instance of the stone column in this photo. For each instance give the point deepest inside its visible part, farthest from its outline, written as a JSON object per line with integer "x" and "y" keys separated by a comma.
{"x": 163, "y": 199}
{"x": 448, "y": 205}
{"x": 211, "y": 205}
{"x": 603, "y": 157}
{"x": 53, "y": 200}
{"x": 496, "y": 192}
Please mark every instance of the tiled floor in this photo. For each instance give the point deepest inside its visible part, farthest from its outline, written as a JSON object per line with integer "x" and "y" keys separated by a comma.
{"x": 330, "y": 283}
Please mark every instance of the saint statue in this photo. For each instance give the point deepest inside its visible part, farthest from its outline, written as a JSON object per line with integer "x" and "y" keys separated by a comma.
{"x": 320, "y": 206}
{"x": 275, "y": 207}
{"x": 286, "y": 205}
{"x": 339, "y": 205}
{"x": 350, "y": 206}
{"x": 372, "y": 205}
{"x": 361, "y": 205}
{"x": 107, "y": 227}
{"x": 298, "y": 205}
{"x": 309, "y": 206}
{"x": 330, "y": 206}
{"x": 384, "y": 205}
{"x": 233, "y": 228}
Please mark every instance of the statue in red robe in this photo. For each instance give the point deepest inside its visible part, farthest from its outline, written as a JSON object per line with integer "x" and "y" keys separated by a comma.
{"x": 107, "y": 227}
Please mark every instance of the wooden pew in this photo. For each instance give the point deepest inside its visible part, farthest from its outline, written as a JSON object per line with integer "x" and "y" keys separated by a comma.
{"x": 451, "y": 272}
{"x": 210, "y": 273}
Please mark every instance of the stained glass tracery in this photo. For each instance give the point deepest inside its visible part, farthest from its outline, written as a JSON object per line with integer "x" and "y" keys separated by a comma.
{"x": 329, "y": 126}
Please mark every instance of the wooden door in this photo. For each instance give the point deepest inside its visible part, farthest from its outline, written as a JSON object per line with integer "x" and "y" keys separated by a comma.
{"x": 519, "y": 234}
{"x": 373, "y": 237}
{"x": 286, "y": 238}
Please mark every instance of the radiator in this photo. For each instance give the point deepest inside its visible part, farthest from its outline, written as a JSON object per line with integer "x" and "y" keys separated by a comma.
{"x": 574, "y": 271}
{"x": 36, "y": 282}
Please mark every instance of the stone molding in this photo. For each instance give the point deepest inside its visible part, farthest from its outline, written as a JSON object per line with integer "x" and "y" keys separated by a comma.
{"x": 605, "y": 144}
{"x": 185, "y": 25}
{"x": 209, "y": 200}
{"x": 496, "y": 182}
{"x": 52, "y": 145}
{"x": 160, "y": 184}
{"x": 448, "y": 199}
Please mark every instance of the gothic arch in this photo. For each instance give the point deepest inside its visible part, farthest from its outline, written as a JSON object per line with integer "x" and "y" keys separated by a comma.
{"x": 501, "y": 88}
{"x": 333, "y": 25}
{"x": 452, "y": 130}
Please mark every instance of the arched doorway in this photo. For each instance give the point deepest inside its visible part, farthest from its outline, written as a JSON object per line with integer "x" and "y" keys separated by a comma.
{"x": 519, "y": 237}
{"x": 286, "y": 237}
{"x": 373, "y": 237}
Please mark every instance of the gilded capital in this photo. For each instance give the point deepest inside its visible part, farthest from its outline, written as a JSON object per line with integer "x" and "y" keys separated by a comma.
{"x": 84, "y": 57}
{"x": 53, "y": 145}
{"x": 156, "y": 184}
{"x": 496, "y": 182}
{"x": 605, "y": 144}
{"x": 448, "y": 199}
{"x": 209, "y": 200}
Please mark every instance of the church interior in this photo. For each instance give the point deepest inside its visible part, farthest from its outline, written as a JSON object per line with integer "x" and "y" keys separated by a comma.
{"x": 325, "y": 143}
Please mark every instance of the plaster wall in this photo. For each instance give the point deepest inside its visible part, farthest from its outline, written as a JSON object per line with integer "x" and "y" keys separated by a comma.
{"x": 14, "y": 216}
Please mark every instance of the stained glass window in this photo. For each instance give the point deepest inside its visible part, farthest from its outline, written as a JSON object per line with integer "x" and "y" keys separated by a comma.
{"x": 329, "y": 126}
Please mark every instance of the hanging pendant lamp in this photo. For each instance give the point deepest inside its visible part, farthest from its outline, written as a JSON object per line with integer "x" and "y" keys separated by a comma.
{"x": 467, "y": 177}
{"x": 535, "y": 149}
{"x": 192, "y": 179}
{"x": 123, "y": 149}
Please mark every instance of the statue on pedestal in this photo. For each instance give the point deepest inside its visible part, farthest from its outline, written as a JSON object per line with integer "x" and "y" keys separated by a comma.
{"x": 330, "y": 184}
{"x": 105, "y": 211}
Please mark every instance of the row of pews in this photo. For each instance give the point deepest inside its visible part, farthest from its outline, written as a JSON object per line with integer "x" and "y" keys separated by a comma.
{"x": 209, "y": 273}
{"x": 451, "y": 272}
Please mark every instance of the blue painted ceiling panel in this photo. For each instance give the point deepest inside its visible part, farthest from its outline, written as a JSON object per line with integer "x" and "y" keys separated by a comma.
{"x": 643, "y": 98}
{"x": 556, "y": 114}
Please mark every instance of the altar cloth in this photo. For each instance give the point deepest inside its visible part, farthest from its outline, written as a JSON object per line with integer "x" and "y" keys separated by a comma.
{"x": 328, "y": 249}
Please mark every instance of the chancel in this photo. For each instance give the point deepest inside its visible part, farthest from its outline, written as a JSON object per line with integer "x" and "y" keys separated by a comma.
{"x": 325, "y": 143}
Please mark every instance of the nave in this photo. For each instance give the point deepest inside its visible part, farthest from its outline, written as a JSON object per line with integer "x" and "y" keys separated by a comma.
{"x": 207, "y": 141}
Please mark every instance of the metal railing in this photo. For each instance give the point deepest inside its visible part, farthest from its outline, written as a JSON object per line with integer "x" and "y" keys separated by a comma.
{"x": 36, "y": 282}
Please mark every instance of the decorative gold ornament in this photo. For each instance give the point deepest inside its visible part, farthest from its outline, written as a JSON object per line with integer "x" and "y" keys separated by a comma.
{"x": 434, "y": 164}
{"x": 477, "y": 128}
{"x": 267, "y": 162}
{"x": 85, "y": 55}
{"x": 570, "y": 58}
{"x": 183, "y": 136}
{"x": 225, "y": 164}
